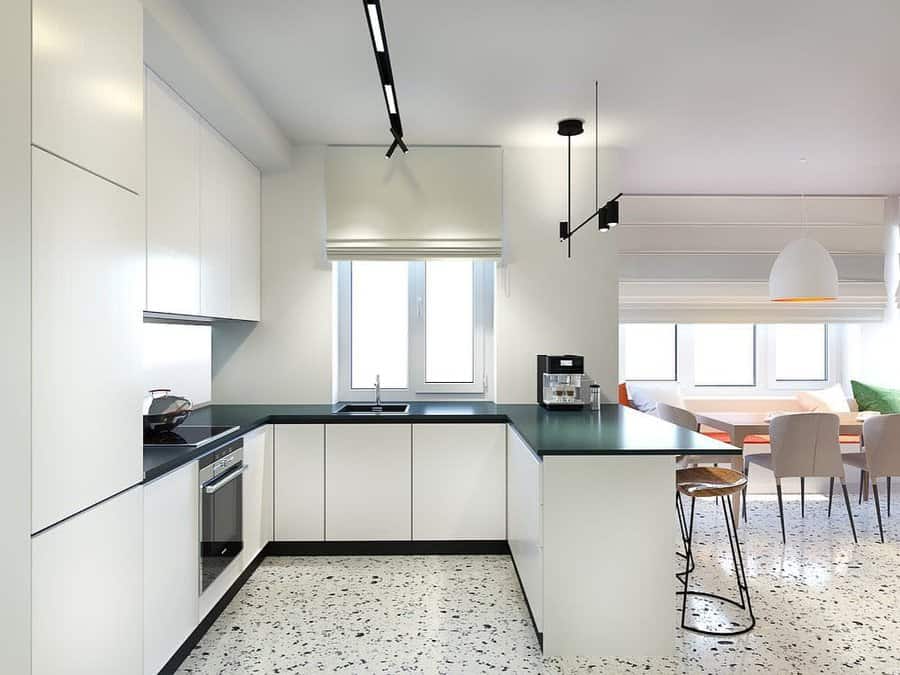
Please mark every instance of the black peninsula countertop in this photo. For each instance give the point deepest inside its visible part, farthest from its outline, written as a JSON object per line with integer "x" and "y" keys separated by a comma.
{"x": 614, "y": 430}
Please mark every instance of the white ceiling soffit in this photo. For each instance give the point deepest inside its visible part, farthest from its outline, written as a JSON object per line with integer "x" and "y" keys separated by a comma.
{"x": 704, "y": 96}
{"x": 180, "y": 52}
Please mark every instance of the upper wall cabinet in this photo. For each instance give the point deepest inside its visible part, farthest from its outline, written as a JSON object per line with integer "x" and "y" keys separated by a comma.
{"x": 229, "y": 230}
{"x": 203, "y": 207}
{"x": 173, "y": 202}
{"x": 87, "y": 86}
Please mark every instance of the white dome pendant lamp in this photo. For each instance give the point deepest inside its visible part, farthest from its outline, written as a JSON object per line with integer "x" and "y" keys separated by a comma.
{"x": 803, "y": 271}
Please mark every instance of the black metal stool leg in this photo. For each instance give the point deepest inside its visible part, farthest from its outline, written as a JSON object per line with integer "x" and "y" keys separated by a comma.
{"x": 739, "y": 572}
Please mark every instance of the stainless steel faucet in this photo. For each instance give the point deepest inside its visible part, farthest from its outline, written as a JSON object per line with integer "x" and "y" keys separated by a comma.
{"x": 378, "y": 390}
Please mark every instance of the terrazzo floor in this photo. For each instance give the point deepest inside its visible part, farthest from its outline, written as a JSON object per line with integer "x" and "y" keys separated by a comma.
{"x": 823, "y": 605}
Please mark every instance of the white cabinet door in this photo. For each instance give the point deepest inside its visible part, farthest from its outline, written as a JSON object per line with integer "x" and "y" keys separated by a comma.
{"x": 87, "y": 312}
{"x": 459, "y": 481}
{"x": 524, "y": 521}
{"x": 88, "y": 85}
{"x": 216, "y": 185}
{"x": 173, "y": 202}
{"x": 171, "y": 563}
{"x": 245, "y": 241}
{"x": 87, "y": 591}
{"x": 258, "y": 488}
{"x": 367, "y": 482}
{"x": 299, "y": 482}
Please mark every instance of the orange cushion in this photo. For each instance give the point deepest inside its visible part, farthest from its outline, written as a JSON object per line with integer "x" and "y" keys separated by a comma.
{"x": 725, "y": 438}
{"x": 848, "y": 438}
{"x": 623, "y": 395}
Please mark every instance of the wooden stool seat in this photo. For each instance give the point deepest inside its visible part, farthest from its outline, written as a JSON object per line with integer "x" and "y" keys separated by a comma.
{"x": 709, "y": 481}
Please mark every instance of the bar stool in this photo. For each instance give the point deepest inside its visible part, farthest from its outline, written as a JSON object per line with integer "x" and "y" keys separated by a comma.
{"x": 720, "y": 483}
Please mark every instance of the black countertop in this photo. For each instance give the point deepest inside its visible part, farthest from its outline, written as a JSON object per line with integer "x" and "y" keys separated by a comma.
{"x": 614, "y": 430}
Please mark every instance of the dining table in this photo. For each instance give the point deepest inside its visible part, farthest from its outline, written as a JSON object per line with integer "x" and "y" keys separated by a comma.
{"x": 740, "y": 425}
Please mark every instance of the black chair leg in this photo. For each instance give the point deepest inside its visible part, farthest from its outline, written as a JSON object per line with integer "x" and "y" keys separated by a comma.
{"x": 889, "y": 495}
{"x": 877, "y": 508}
{"x": 849, "y": 512}
{"x": 781, "y": 514}
{"x": 802, "y": 497}
{"x": 862, "y": 476}
{"x": 744, "y": 495}
{"x": 830, "y": 494}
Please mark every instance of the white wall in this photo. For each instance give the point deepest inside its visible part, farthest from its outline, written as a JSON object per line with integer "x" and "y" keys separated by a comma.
{"x": 179, "y": 357}
{"x": 15, "y": 338}
{"x": 286, "y": 358}
{"x": 545, "y": 302}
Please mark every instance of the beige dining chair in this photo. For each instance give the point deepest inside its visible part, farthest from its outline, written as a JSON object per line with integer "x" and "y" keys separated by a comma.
{"x": 880, "y": 457}
{"x": 686, "y": 419}
{"x": 804, "y": 445}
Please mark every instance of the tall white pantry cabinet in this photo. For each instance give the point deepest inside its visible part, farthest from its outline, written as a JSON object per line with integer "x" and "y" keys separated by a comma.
{"x": 87, "y": 290}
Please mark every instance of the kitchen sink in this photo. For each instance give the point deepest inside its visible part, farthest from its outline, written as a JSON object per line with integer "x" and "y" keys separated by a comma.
{"x": 372, "y": 409}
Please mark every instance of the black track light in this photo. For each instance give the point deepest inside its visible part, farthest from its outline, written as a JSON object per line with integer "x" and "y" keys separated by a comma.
{"x": 385, "y": 73}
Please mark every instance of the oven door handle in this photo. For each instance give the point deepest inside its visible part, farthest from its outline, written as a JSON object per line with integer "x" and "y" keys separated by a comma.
{"x": 212, "y": 488}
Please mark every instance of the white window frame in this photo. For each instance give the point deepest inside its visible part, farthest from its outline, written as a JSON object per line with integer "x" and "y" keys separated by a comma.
{"x": 622, "y": 348}
{"x": 417, "y": 387}
{"x": 766, "y": 384}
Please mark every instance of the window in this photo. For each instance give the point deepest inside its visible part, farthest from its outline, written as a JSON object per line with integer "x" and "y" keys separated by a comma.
{"x": 801, "y": 352}
{"x": 424, "y": 327}
{"x": 380, "y": 329}
{"x": 649, "y": 351}
{"x": 724, "y": 355}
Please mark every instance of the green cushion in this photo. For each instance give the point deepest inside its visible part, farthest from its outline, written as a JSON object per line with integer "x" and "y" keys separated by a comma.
{"x": 882, "y": 399}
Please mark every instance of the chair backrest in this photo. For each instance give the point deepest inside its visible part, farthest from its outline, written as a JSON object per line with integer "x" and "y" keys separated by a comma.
{"x": 806, "y": 444}
{"x": 881, "y": 436}
{"x": 675, "y": 415}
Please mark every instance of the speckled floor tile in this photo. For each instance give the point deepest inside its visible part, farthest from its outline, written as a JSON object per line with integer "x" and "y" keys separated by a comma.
{"x": 823, "y": 605}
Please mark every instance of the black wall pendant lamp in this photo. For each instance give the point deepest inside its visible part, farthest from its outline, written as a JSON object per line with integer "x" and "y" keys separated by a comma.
{"x": 385, "y": 74}
{"x": 608, "y": 214}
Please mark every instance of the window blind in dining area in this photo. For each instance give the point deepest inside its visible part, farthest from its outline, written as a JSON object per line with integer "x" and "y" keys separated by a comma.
{"x": 432, "y": 202}
{"x": 706, "y": 259}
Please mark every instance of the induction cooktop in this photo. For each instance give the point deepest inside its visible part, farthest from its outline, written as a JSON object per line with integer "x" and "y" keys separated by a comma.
{"x": 187, "y": 435}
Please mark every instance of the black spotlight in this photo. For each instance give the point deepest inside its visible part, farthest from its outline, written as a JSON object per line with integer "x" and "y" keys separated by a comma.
{"x": 611, "y": 213}
{"x": 602, "y": 222}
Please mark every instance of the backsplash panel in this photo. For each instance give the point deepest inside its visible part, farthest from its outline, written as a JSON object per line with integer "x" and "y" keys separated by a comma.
{"x": 179, "y": 357}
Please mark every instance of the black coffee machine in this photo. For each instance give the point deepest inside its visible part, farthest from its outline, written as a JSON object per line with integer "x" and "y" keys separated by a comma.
{"x": 560, "y": 381}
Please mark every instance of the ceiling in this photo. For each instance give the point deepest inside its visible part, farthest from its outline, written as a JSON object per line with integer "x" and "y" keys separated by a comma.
{"x": 702, "y": 96}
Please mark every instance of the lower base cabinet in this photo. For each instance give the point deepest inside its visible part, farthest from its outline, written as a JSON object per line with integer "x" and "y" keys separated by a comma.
{"x": 87, "y": 591}
{"x": 368, "y": 476}
{"x": 459, "y": 482}
{"x": 171, "y": 564}
{"x": 299, "y": 482}
{"x": 258, "y": 489}
{"x": 524, "y": 521}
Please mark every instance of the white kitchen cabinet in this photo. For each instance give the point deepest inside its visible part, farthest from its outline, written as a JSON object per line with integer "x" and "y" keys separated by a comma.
{"x": 367, "y": 482}
{"x": 87, "y": 301}
{"x": 299, "y": 482}
{"x": 173, "y": 202}
{"x": 229, "y": 230}
{"x": 459, "y": 481}
{"x": 245, "y": 241}
{"x": 88, "y": 85}
{"x": 524, "y": 521}
{"x": 258, "y": 489}
{"x": 171, "y": 563}
{"x": 216, "y": 184}
{"x": 87, "y": 591}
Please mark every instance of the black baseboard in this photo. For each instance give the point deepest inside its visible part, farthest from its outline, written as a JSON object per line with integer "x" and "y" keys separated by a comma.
{"x": 498, "y": 547}
{"x": 197, "y": 634}
{"x": 540, "y": 635}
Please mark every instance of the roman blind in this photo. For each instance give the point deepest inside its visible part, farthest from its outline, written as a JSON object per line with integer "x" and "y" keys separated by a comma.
{"x": 700, "y": 259}
{"x": 433, "y": 202}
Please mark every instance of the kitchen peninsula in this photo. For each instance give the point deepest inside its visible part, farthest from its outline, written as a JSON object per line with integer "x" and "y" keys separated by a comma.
{"x": 588, "y": 505}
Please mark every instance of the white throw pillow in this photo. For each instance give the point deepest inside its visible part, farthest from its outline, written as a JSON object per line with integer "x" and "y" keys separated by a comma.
{"x": 646, "y": 396}
{"x": 831, "y": 399}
